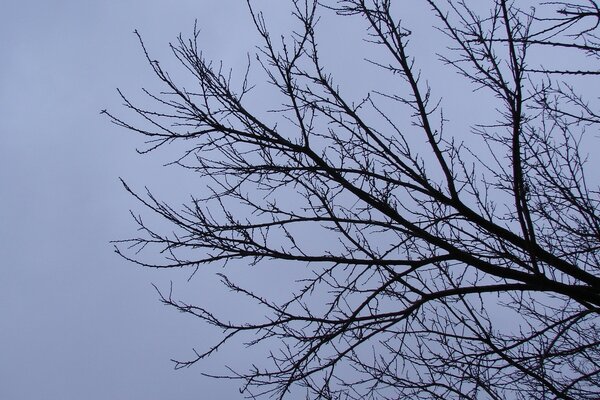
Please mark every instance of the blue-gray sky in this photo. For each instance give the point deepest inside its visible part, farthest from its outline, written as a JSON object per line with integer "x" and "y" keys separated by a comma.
{"x": 77, "y": 322}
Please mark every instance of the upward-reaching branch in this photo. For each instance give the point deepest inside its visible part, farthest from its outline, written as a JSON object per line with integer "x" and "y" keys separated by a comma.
{"x": 426, "y": 256}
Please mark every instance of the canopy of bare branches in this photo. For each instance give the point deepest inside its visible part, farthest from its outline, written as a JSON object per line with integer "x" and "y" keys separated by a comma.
{"x": 437, "y": 238}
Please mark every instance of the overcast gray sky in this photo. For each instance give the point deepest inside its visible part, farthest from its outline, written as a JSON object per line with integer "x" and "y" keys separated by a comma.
{"x": 77, "y": 322}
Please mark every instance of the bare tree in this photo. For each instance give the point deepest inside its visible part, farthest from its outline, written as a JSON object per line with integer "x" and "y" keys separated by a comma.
{"x": 435, "y": 240}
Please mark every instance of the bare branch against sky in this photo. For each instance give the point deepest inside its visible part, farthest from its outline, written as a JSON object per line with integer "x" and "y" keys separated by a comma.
{"x": 384, "y": 199}
{"x": 438, "y": 259}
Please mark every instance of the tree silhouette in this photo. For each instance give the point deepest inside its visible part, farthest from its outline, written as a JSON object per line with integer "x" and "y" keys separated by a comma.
{"x": 456, "y": 264}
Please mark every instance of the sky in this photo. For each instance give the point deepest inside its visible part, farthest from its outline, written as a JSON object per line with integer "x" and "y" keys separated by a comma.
{"x": 77, "y": 321}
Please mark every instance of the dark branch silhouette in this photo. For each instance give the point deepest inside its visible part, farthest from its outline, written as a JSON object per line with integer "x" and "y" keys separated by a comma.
{"x": 437, "y": 238}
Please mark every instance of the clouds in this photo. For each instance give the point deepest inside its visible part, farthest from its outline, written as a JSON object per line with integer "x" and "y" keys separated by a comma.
{"x": 78, "y": 322}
